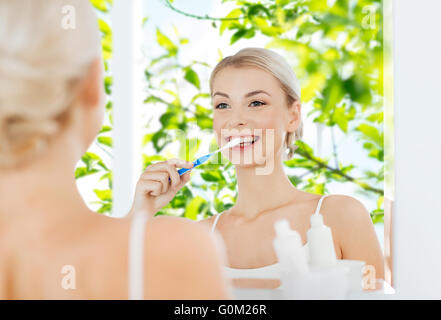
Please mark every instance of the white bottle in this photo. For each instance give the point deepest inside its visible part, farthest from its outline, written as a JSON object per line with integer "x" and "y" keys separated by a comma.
{"x": 293, "y": 265}
{"x": 320, "y": 244}
{"x": 289, "y": 250}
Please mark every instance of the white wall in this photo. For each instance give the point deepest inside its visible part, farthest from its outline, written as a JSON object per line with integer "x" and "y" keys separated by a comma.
{"x": 417, "y": 109}
{"x": 127, "y": 98}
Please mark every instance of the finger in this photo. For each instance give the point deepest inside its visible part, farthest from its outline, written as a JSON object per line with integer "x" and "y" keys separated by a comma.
{"x": 185, "y": 178}
{"x": 183, "y": 164}
{"x": 174, "y": 176}
{"x": 151, "y": 187}
{"x": 170, "y": 166}
{"x": 159, "y": 176}
{"x": 174, "y": 161}
{"x": 180, "y": 163}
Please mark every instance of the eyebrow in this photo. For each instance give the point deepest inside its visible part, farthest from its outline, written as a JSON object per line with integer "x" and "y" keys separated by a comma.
{"x": 249, "y": 94}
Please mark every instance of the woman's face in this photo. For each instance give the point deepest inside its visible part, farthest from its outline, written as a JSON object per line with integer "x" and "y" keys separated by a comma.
{"x": 249, "y": 102}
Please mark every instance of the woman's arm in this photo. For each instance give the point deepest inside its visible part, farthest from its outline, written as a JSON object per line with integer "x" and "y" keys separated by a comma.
{"x": 352, "y": 226}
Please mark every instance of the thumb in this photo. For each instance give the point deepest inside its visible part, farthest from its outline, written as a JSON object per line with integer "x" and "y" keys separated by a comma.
{"x": 185, "y": 178}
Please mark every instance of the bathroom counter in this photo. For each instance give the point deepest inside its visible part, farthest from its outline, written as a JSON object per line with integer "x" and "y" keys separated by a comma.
{"x": 384, "y": 292}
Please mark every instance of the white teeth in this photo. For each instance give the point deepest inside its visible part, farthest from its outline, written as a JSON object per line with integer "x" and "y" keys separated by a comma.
{"x": 248, "y": 140}
{"x": 245, "y": 139}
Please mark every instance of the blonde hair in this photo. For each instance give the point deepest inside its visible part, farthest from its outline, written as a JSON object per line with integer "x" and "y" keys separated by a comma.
{"x": 276, "y": 65}
{"x": 42, "y": 62}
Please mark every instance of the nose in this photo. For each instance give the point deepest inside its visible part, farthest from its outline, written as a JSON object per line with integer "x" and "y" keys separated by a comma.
{"x": 237, "y": 118}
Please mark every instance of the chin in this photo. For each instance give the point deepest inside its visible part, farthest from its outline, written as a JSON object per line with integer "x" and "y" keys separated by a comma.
{"x": 249, "y": 163}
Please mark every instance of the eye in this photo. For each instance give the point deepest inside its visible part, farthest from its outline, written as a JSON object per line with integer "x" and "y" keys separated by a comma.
{"x": 221, "y": 106}
{"x": 257, "y": 103}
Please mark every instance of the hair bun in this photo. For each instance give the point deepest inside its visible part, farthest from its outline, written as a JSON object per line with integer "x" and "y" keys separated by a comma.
{"x": 22, "y": 138}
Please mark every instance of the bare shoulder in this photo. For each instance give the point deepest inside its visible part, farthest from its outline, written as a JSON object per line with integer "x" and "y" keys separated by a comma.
{"x": 208, "y": 222}
{"x": 178, "y": 230}
{"x": 354, "y": 231}
{"x": 186, "y": 260}
{"x": 183, "y": 237}
{"x": 343, "y": 210}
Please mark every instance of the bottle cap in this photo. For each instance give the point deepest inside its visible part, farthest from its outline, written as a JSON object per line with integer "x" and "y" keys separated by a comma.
{"x": 316, "y": 220}
{"x": 282, "y": 227}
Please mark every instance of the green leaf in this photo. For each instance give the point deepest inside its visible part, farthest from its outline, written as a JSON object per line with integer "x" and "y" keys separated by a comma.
{"x": 104, "y": 27}
{"x": 168, "y": 119}
{"x": 166, "y": 43}
{"x": 192, "y": 77}
{"x": 380, "y": 202}
{"x": 340, "y": 118}
{"x": 100, "y": 5}
{"x": 376, "y": 117}
{"x": 105, "y": 195}
{"x": 193, "y": 208}
{"x": 266, "y": 29}
{"x": 108, "y": 81}
{"x": 105, "y": 129}
{"x": 219, "y": 205}
{"x": 236, "y": 13}
{"x": 109, "y": 177}
{"x": 106, "y": 141}
{"x": 83, "y": 171}
{"x": 105, "y": 208}
{"x": 358, "y": 89}
{"x": 332, "y": 94}
{"x": 200, "y": 95}
{"x": 160, "y": 139}
{"x": 154, "y": 99}
{"x": 372, "y": 133}
{"x": 237, "y": 35}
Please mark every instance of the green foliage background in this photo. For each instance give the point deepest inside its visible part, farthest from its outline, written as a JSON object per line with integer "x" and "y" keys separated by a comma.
{"x": 337, "y": 51}
{"x": 92, "y": 163}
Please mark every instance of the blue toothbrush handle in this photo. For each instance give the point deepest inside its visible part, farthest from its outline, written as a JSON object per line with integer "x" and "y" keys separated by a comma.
{"x": 195, "y": 164}
{"x": 182, "y": 171}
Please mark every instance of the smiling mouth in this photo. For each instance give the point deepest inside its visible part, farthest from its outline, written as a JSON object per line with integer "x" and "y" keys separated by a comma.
{"x": 245, "y": 141}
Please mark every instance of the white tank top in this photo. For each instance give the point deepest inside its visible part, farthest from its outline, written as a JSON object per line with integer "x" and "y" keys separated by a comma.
{"x": 136, "y": 256}
{"x": 266, "y": 272}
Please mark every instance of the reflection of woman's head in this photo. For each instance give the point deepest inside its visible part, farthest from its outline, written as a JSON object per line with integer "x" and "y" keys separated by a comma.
{"x": 252, "y": 70}
{"x": 47, "y": 49}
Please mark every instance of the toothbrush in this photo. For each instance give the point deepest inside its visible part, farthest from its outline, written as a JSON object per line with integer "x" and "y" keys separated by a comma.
{"x": 202, "y": 159}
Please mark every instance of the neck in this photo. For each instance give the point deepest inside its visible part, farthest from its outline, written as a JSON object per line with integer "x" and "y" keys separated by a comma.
{"x": 260, "y": 192}
{"x": 44, "y": 189}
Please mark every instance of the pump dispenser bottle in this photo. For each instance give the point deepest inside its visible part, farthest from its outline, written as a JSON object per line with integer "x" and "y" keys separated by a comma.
{"x": 289, "y": 250}
{"x": 321, "y": 246}
{"x": 297, "y": 281}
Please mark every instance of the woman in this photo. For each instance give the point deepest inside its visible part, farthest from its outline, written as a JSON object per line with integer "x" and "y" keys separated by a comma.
{"x": 51, "y": 245}
{"x": 256, "y": 95}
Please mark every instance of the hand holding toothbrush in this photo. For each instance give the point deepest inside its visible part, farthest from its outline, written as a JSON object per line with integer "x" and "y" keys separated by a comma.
{"x": 161, "y": 181}
{"x": 154, "y": 190}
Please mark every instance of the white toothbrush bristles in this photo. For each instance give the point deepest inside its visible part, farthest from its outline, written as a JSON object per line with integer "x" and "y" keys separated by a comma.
{"x": 234, "y": 142}
{"x": 230, "y": 144}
